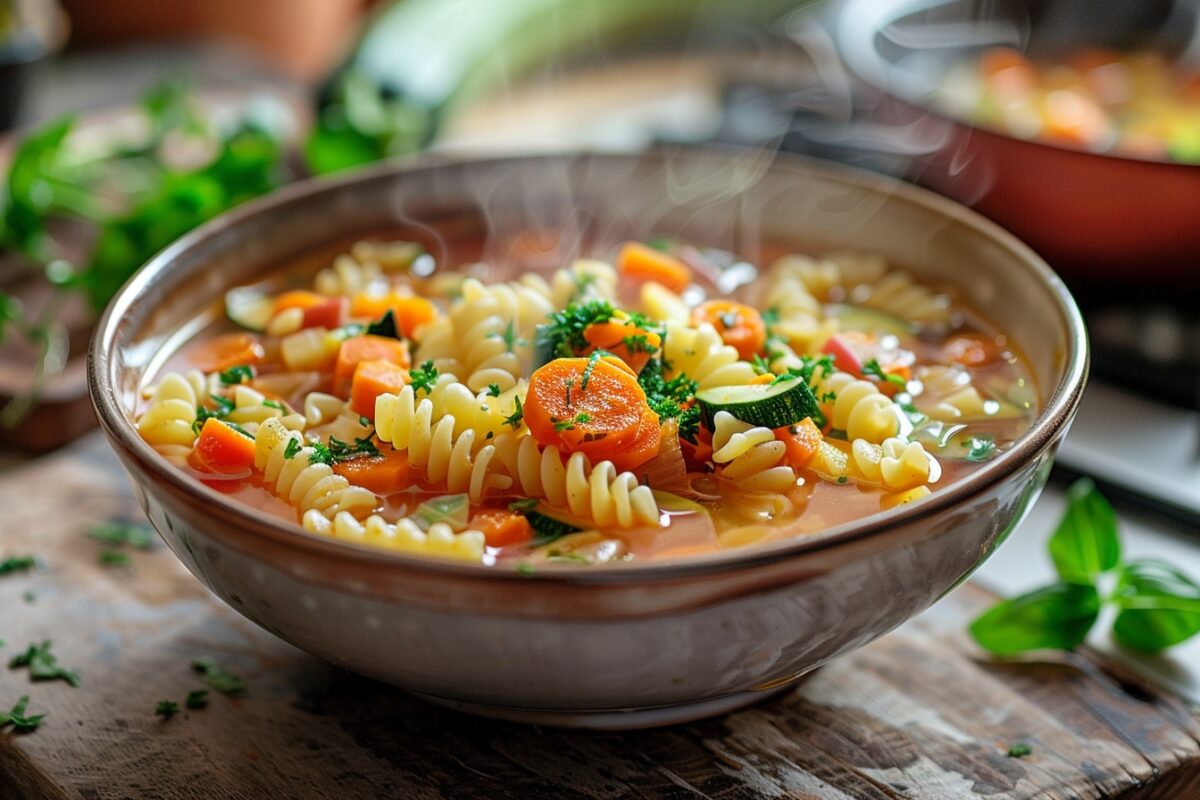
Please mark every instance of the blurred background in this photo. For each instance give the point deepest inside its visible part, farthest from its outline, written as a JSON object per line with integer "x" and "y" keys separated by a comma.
{"x": 1073, "y": 123}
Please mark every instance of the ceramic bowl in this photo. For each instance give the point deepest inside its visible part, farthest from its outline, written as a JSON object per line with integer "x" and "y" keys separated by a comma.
{"x": 622, "y": 645}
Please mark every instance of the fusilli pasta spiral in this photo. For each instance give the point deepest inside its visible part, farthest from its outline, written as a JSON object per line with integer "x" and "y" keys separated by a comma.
{"x": 750, "y": 457}
{"x": 700, "y": 353}
{"x": 403, "y": 536}
{"x": 895, "y": 464}
{"x": 302, "y": 482}
{"x": 857, "y": 407}
{"x": 168, "y": 418}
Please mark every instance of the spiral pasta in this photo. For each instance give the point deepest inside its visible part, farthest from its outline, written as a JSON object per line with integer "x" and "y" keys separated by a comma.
{"x": 364, "y": 269}
{"x": 251, "y": 408}
{"x": 403, "y": 536}
{"x": 167, "y": 420}
{"x": 584, "y": 280}
{"x": 302, "y": 482}
{"x": 600, "y": 493}
{"x": 699, "y": 353}
{"x": 663, "y": 305}
{"x": 895, "y": 464}
{"x": 857, "y": 407}
{"x": 750, "y": 457}
{"x": 899, "y": 294}
{"x": 951, "y": 395}
{"x": 801, "y": 322}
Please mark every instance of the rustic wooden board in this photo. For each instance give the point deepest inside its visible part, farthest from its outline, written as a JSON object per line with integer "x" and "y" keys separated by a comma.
{"x": 917, "y": 714}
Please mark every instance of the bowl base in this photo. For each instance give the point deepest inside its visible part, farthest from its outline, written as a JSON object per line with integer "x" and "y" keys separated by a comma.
{"x": 627, "y": 719}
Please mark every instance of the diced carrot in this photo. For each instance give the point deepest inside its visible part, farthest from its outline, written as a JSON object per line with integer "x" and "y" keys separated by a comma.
{"x": 801, "y": 440}
{"x": 971, "y": 350}
{"x": 580, "y": 405}
{"x": 371, "y": 379}
{"x": 501, "y": 527}
{"x": 644, "y": 447}
{"x": 331, "y": 313}
{"x": 228, "y": 350}
{"x": 298, "y": 298}
{"x": 357, "y": 349}
{"x": 410, "y": 312}
{"x": 222, "y": 449}
{"x": 384, "y": 474}
{"x": 741, "y": 326}
{"x": 639, "y": 262}
{"x": 623, "y": 339}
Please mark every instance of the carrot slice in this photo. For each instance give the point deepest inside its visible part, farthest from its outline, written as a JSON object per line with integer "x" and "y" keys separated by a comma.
{"x": 298, "y": 298}
{"x": 222, "y": 449}
{"x": 410, "y": 312}
{"x": 371, "y": 379}
{"x": 228, "y": 350}
{"x": 387, "y": 473}
{"x": 590, "y": 406}
{"x": 645, "y": 447}
{"x": 801, "y": 440}
{"x": 365, "y": 348}
{"x": 623, "y": 339}
{"x": 639, "y": 262}
{"x": 741, "y": 326}
{"x": 501, "y": 527}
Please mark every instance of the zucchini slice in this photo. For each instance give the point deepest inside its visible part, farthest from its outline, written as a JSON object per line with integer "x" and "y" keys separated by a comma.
{"x": 249, "y": 308}
{"x": 772, "y": 405}
{"x": 547, "y": 528}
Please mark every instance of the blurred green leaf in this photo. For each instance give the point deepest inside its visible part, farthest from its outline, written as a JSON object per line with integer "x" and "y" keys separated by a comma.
{"x": 1057, "y": 617}
{"x": 1160, "y": 606}
{"x": 1085, "y": 544}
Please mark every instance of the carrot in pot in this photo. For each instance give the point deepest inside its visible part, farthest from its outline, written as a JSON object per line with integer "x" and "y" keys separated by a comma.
{"x": 639, "y": 262}
{"x": 222, "y": 449}
{"x": 644, "y": 448}
{"x": 410, "y": 312}
{"x": 501, "y": 527}
{"x": 801, "y": 440}
{"x": 623, "y": 339}
{"x": 585, "y": 405}
{"x": 371, "y": 379}
{"x": 384, "y": 474}
{"x": 357, "y": 349}
{"x": 741, "y": 326}
{"x": 228, "y": 350}
{"x": 298, "y": 298}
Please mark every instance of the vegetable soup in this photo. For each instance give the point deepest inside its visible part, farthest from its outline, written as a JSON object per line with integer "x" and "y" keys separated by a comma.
{"x": 656, "y": 401}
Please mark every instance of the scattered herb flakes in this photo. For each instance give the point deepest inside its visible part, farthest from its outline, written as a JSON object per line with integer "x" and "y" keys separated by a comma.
{"x": 364, "y": 422}
{"x": 117, "y": 533}
{"x": 562, "y": 336}
{"x": 760, "y": 365}
{"x": 224, "y": 682}
{"x": 873, "y": 369}
{"x": 16, "y": 717}
{"x": 273, "y": 404}
{"x": 197, "y": 699}
{"x": 1019, "y": 750}
{"x": 293, "y": 447}
{"x": 233, "y": 376}
{"x": 385, "y": 326}
{"x": 223, "y": 408}
{"x": 343, "y": 451}
{"x": 808, "y": 367}
{"x": 15, "y": 564}
{"x": 674, "y": 398}
{"x": 43, "y": 665}
{"x": 424, "y": 377}
{"x": 516, "y": 418}
{"x": 981, "y": 448}
{"x": 166, "y": 709}
{"x": 115, "y": 558}
{"x": 587, "y": 372}
{"x": 493, "y": 389}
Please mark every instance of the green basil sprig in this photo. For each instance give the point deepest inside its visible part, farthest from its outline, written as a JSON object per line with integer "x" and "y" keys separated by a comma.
{"x": 1158, "y": 606}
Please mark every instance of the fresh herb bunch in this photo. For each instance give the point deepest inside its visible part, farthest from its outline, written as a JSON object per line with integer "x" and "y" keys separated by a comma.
{"x": 1157, "y": 605}
{"x": 134, "y": 198}
{"x": 673, "y": 398}
{"x": 562, "y": 335}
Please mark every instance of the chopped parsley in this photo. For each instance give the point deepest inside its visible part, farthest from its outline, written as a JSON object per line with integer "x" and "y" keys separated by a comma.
{"x": 981, "y": 448}
{"x": 517, "y": 417}
{"x": 770, "y": 316}
{"x": 16, "y": 717}
{"x": 273, "y": 404}
{"x": 14, "y": 564}
{"x": 242, "y": 373}
{"x": 341, "y": 451}
{"x": 364, "y": 422}
{"x": 385, "y": 326}
{"x": 842, "y": 479}
{"x": 166, "y": 709}
{"x": 43, "y": 665}
{"x": 293, "y": 447}
{"x": 115, "y": 558}
{"x": 569, "y": 424}
{"x": 224, "y": 408}
{"x": 493, "y": 389}
{"x": 808, "y": 368}
{"x": 509, "y": 335}
{"x": 424, "y": 377}
{"x": 671, "y": 399}
{"x": 562, "y": 336}
{"x": 760, "y": 365}
{"x": 638, "y": 343}
{"x": 873, "y": 369}
{"x": 197, "y": 699}
{"x": 117, "y": 534}
{"x": 587, "y": 372}
{"x": 224, "y": 682}
{"x": 1020, "y": 750}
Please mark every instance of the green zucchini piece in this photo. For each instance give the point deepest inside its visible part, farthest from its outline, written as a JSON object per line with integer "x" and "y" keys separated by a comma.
{"x": 248, "y": 307}
{"x": 547, "y": 528}
{"x": 451, "y": 509}
{"x": 774, "y": 405}
{"x": 868, "y": 320}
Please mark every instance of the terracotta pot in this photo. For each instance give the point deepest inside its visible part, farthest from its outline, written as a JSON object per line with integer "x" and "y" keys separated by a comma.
{"x": 620, "y": 645}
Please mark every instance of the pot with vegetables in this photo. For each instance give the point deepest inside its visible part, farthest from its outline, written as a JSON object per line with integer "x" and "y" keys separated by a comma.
{"x": 589, "y": 463}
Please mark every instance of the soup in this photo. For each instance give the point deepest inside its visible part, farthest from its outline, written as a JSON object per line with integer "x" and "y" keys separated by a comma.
{"x": 1135, "y": 104}
{"x": 658, "y": 402}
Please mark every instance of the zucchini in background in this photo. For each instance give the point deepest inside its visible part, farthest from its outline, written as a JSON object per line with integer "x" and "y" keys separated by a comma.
{"x": 418, "y": 59}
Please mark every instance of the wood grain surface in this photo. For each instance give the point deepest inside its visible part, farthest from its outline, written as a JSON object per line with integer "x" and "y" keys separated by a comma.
{"x": 919, "y": 713}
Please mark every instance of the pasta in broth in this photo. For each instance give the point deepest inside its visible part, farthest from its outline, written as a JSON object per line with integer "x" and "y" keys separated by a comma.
{"x": 609, "y": 412}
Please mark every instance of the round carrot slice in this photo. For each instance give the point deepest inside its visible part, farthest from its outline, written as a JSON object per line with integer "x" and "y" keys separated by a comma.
{"x": 585, "y": 405}
{"x": 741, "y": 327}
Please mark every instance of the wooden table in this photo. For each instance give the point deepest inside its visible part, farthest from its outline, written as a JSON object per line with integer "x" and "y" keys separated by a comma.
{"x": 919, "y": 713}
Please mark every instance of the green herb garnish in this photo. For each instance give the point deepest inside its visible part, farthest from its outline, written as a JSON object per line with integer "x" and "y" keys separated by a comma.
{"x": 166, "y": 709}
{"x": 528, "y": 504}
{"x": 273, "y": 404}
{"x": 493, "y": 389}
{"x": 224, "y": 407}
{"x": 224, "y": 682}
{"x": 16, "y": 717}
{"x": 518, "y": 416}
{"x": 671, "y": 399}
{"x": 1158, "y": 606}
{"x": 760, "y": 365}
{"x": 293, "y": 447}
{"x": 873, "y": 369}
{"x": 562, "y": 336}
{"x": 341, "y": 451}
{"x": 424, "y": 377}
{"x": 364, "y": 422}
{"x": 385, "y": 326}
{"x": 233, "y": 376}
{"x": 981, "y": 448}
{"x": 115, "y": 558}
{"x": 197, "y": 699}
{"x": 43, "y": 665}
{"x": 569, "y": 424}
{"x": 587, "y": 372}
{"x": 1019, "y": 750}
{"x": 122, "y": 533}
{"x": 14, "y": 564}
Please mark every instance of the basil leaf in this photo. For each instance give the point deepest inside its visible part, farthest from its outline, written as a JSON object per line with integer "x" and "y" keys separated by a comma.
{"x": 1085, "y": 543}
{"x": 1160, "y": 606}
{"x": 1056, "y": 617}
